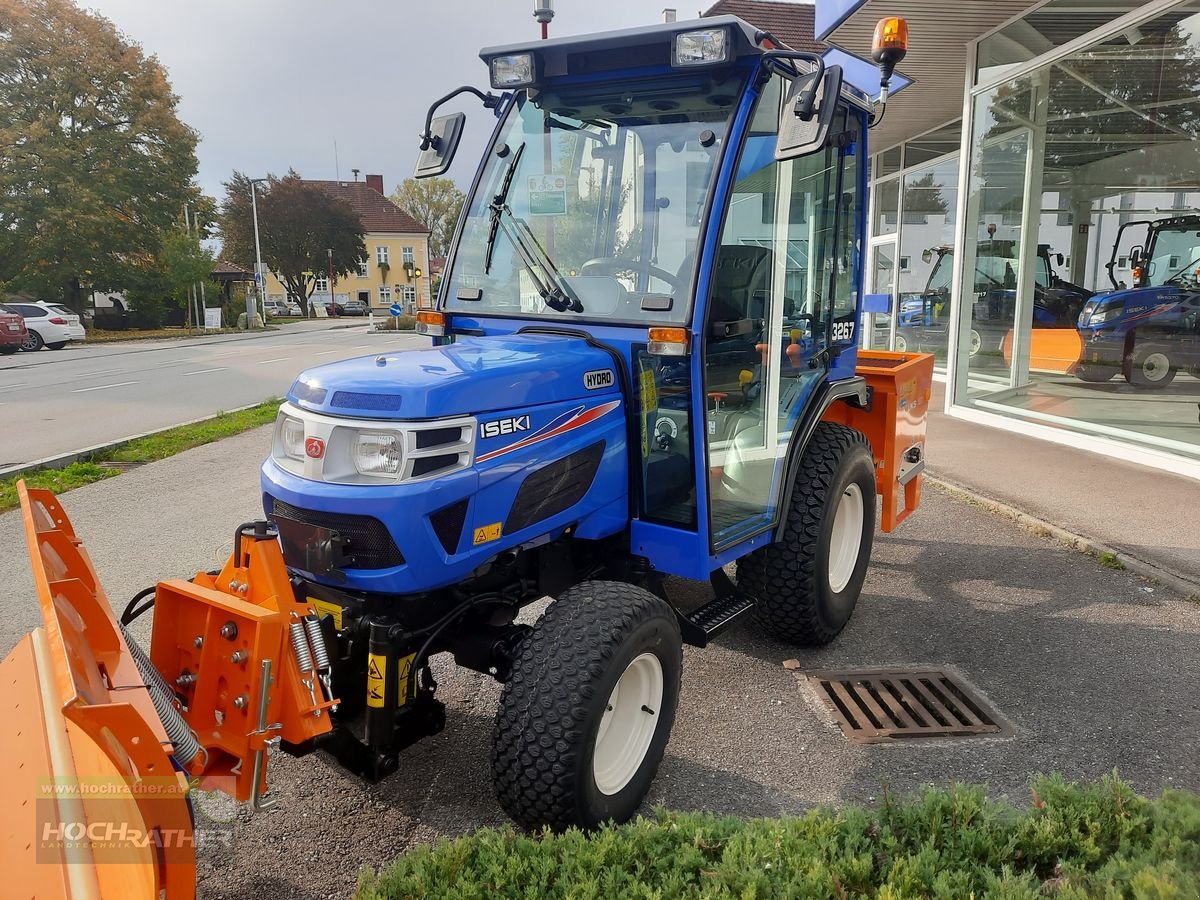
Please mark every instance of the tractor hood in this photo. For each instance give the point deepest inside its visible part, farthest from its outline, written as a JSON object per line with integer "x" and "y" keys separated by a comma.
{"x": 1130, "y": 304}
{"x": 471, "y": 376}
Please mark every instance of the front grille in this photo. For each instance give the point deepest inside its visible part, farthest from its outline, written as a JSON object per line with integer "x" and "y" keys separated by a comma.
{"x": 554, "y": 488}
{"x": 367, "y": 539}
{"x": 359, "y": 400}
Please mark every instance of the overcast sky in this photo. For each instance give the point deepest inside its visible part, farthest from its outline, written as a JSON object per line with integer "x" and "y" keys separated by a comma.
{"x": 270, "y": 84}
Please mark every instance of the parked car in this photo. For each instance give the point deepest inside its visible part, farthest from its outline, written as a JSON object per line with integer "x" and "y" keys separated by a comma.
{"x": 280, "y": 309}
{"x": 353, "y": 308}
{"x": 50, "y": 325}
{"x": 13, "y": 332}
{"x": 335, "y": 309}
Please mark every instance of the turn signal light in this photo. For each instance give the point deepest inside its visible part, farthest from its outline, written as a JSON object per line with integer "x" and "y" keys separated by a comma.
{"x": 431, "y": 323}
{"x": 668, "y": 342}
{"x": 1137, "y": 273}
{"x": 890, "y": 34}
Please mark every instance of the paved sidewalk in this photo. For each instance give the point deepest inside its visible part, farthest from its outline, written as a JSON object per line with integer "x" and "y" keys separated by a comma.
{"x": 1145, "y": 514}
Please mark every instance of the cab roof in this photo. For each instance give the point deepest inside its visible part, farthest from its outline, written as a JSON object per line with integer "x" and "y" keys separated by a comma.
{"x": 624, "y": 48}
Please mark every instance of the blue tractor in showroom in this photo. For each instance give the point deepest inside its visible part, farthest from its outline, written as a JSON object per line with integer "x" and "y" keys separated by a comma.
{"x": 645, "y": 368}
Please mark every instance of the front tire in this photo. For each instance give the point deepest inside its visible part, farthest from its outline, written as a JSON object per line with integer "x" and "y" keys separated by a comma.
{"x": 1150, "y": 367}
{"x": 586, "y": 713}
{"x": 807, "y": 584}
{"x": 1093, "y": 373}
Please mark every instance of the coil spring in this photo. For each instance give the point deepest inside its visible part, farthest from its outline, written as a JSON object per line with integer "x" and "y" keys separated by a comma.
{"x": 317, "y": 638}
{"x": 300, "y": 646}
{"x": 187, "y": 747}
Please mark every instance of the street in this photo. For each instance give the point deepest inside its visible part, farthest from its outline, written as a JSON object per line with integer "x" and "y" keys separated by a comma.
{"x": 1095, "y": 669}
{"x": 56, "y": 402}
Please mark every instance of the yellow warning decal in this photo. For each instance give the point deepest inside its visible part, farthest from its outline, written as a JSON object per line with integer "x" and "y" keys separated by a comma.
{"x": 404, "y": 667}
{"x": 325, "y": 608}
{"x": 487, "y": 533}
{"x": 376, "y": 678}
{"x": 648, "y": 390}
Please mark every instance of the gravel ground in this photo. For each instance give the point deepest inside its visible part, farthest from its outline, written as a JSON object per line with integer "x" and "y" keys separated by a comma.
{"x": 1095, "y": 669}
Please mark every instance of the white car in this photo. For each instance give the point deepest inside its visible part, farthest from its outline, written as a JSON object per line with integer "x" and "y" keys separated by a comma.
{"x": 50, "y": 325}
{"x": 280, "y": 310}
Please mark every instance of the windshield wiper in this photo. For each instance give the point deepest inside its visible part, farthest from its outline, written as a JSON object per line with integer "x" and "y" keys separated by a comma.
{"x": 555, "y": 292}
{"x": 1182, "y": 271}
{"x": 549, "y": 282}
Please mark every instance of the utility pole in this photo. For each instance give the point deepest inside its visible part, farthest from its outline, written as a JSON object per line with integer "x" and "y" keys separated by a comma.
{"x": 260, "y": 278}
{"x": 332, "y": 295}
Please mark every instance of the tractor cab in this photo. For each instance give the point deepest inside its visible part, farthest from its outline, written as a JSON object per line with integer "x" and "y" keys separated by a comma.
{"x": 691, "y": 198}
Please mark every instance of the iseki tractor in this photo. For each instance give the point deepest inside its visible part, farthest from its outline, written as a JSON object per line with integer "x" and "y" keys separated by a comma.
{"x": 644, "y": 369}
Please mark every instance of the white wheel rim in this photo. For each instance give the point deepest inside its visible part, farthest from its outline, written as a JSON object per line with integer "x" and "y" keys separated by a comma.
{"x": 1156, "y": 366}
{"x": 976, "y": 342}
{"x": 901, "y": 344}
{"x": 628, "y": 724}
{"x": 846, "y": 538}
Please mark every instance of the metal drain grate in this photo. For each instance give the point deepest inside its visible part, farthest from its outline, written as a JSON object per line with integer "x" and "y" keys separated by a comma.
{"x": 877, "y": 707}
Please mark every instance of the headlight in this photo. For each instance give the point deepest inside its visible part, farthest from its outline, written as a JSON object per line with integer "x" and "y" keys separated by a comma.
{"x": 513, "y": 71}
{"x": 291, "y": 437}
{"x": 1100, "y": 316}
{"x": 379, "y": 452}
{"x": 701, "y": 48}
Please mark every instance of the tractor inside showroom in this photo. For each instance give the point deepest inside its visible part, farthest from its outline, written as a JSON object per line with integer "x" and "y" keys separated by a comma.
{"x": 645, "y": 368}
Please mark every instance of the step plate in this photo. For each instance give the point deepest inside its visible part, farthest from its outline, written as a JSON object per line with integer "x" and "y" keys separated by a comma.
{"x": 717, "y": 615}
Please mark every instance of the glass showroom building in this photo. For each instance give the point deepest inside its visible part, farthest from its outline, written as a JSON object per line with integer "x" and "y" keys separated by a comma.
{"x": 1035, "y": 214}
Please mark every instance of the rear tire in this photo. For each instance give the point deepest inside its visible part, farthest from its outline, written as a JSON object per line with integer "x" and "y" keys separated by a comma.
{"x": 586, "y": 713}
{"x": 807, "y": 583}
{"x": 33, "y": 341}
{"x": 1150, "y": 367}
{"x": 8, "y": 351}
{"x": 57, "y": 345}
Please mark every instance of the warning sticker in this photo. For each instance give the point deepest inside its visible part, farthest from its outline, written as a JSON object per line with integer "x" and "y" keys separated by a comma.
{"x": 404, "y": 668}
{"x": 325, "y": 608}
{"x": 376, "y": 678}
{"x": 487, "y": 533}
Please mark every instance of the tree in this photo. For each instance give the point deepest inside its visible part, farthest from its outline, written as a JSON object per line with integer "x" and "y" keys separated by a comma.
{"x": 185, "y": 263}
{"x": 298, "y": 224}
{"x": 96, "y": 164}
{"x": 436, "y": 202}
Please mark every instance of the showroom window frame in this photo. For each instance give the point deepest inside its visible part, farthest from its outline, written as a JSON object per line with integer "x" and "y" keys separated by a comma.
{"x": 894, "y": 239}
{"x": 1073, "y": 433}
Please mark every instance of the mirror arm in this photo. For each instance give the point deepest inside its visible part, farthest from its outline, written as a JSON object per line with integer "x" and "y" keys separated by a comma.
{"x": 804, "y": 109}
{"x": 490, "y": 101}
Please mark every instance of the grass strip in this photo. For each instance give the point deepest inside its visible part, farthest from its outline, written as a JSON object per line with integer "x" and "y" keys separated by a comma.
{"x": 100, "y": 336}
{"x": 1071, "y": 841}
{"x": 142, "y": 450}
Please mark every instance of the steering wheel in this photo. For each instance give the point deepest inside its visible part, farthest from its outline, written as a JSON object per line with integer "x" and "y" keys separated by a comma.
{"x": 611, "y": 265}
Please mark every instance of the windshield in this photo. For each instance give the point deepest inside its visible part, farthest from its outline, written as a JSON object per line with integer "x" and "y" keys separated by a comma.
{"x": 1174, "y": 256}
{"x": 591, "y": 202}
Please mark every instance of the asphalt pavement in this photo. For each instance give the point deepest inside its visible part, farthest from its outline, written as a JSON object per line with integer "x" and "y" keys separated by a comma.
{"x": 1095, "y": 670}
{"x": 58, "y": 402}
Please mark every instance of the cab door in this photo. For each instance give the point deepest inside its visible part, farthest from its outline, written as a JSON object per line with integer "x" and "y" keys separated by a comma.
{"x": 783, "y": 289}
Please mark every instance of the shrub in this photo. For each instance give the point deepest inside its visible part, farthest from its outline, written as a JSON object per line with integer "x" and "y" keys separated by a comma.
{"x": 395, "y": 323}
{"x": 1074, "y": 841}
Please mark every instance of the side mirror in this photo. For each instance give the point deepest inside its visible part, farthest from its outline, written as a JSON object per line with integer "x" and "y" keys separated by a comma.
{"x": 438, "y": 145}
{"x": 926, "y": 256}
{"x": 1058, "y": 258}
{"x": 808, "y": 113}
{"x": 1135, "y": 256}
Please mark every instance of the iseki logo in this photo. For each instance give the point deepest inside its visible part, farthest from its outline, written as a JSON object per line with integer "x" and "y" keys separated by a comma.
{"x": 314, "y": 447}
{"x": 504, "y": 426}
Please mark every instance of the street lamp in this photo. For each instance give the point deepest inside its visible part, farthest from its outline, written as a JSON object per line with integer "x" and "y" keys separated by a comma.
{"x": 260, "y": 278}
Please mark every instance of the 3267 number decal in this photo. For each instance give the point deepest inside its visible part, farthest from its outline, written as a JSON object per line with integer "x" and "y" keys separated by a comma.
{"x": 843, "y": 331}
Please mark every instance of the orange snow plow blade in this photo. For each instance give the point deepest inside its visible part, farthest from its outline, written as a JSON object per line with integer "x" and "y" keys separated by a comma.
{"x": 92, "y": 804}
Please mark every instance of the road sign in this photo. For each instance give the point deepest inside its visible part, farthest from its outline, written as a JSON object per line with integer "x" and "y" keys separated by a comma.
{"x": 396, "y": 309}
{"x": 258, "y": 278}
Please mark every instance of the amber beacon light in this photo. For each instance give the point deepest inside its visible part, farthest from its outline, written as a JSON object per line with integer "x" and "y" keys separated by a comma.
{"x": 889, "y": 45}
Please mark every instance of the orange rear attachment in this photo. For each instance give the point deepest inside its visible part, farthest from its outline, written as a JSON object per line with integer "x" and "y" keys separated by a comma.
{"x": 894, "y": 422}
{"x": 107, "y": 735}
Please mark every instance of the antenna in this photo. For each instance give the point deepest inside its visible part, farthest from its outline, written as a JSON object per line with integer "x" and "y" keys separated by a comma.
{"x": 355, "y": 171}
{"x": 337, "y": 172}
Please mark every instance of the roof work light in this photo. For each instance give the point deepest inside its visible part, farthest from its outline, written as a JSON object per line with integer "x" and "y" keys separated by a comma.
{"x": 706, "y": 47}
{"x": 513, "y": 71}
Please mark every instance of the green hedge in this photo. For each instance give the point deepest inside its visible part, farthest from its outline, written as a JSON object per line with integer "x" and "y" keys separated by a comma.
{"x": 1073, "y": 841}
